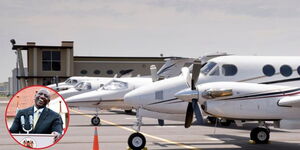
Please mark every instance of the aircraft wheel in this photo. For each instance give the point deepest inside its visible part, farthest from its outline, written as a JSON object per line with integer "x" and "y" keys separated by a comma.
{"x": 95, "y": 121}
{"x": 260, "y": 135}
{"x": 136, "y": 141}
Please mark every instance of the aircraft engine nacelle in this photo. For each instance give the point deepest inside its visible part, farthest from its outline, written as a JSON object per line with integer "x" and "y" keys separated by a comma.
{"x": 238, "y": 100}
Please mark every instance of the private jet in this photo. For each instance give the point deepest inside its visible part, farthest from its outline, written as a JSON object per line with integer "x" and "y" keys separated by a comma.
{"x": 72, "y": 81}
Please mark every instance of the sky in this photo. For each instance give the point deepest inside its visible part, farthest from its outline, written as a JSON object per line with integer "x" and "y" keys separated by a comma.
{"x": 185, "y": 28}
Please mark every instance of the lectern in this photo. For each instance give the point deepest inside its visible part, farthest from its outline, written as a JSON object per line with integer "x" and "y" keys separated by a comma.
{"x": 35, "y": 140}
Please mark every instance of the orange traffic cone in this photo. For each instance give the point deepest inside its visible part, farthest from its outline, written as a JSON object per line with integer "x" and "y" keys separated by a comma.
{"x": 96, "y": 142}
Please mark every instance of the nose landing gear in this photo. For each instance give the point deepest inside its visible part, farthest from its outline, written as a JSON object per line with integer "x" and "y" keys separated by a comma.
{"x": 137, "y": 141}
{"x": 96, "y": 120}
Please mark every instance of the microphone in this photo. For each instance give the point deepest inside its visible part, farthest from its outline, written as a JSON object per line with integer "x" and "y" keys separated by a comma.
{"x": 22, "y": 120}
{"x": 31, "y": 120}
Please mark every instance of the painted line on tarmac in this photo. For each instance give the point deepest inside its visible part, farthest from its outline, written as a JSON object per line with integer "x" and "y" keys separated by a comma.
{"x": 147, "y": 135}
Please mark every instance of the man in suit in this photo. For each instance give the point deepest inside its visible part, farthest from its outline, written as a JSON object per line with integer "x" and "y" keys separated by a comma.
{"x": 44, "y": 120}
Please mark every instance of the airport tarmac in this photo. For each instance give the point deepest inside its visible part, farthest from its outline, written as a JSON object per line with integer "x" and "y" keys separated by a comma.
{"x": 116, "y": 127}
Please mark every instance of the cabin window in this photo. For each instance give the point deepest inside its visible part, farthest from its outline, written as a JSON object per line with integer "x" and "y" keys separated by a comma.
{"x": 268, "y": 70}
{"x": 229, "y": 70}
{"x": 298, "y": 69}
{"x": 207, "y": 68}
{"x": 286, "y": 70}
{"x": 215, "y": 72}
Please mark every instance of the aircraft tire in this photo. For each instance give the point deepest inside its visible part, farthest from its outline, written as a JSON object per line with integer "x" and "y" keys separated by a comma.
{"x": 136, "y": 141}
{"x": 95, "y": 121}
{"x": 260, "y": 135}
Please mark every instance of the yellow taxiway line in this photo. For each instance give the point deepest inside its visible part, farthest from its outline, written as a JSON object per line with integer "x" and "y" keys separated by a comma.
{"x": 131, "y": 130}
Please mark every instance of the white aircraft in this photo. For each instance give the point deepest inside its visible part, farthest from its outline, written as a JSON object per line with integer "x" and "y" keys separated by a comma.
{"x": 72, "y": 81}
{"x": 83, "y": 87}
{"x": 111, "y": 94}
{"x": 263, "y": 88}
{"x": 107, "y": 97}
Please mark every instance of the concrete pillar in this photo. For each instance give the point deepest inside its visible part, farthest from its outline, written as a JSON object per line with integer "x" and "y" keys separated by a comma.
{"x": 21, "y": 66}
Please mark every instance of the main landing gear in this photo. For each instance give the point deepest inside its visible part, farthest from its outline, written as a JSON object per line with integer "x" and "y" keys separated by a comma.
{"x": 137, "y": 141}
{"x": 96, "y": 120}
{"x": 260, "y": 134}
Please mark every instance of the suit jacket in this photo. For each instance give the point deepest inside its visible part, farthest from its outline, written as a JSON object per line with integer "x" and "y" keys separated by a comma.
{"x": 48, "y": 122}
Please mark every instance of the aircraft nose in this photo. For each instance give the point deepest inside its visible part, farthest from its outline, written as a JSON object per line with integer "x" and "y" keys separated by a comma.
{"x": 187, "y": 95}
{"x": 92, "y": 96}
{"x": 132, "y": 98}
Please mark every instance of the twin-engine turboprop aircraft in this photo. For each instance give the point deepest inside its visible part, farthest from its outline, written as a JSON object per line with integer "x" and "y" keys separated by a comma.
{"x": 262, "y": 88}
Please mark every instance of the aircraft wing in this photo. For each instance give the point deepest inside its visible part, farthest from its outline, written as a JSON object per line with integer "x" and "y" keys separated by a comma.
{"x": 290, "y": 101}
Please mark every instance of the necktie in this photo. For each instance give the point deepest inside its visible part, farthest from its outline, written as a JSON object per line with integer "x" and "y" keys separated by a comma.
{"x": 36, "y": 116}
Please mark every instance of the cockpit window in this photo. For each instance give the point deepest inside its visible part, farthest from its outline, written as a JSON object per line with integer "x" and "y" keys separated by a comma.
{"x": 207, "y": 68}
{"x": 87, "y": 86}
{"x": 83, "y": 86}
{"x": 68, "y": 81}
{"x": 229, "y": 70}
{"x": 115, "y": 85}
{"x": 215, "y": 72}
{"x": 74, "y": 82}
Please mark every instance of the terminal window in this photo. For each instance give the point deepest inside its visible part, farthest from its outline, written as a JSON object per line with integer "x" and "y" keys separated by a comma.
{"x": 51, "y": 61}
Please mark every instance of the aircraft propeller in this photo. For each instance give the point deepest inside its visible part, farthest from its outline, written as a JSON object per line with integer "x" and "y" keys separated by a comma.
{"x": 192, "y": 94}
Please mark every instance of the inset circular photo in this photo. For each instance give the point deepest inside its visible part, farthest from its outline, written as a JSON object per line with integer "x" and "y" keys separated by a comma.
{"x": 37, "y": 117}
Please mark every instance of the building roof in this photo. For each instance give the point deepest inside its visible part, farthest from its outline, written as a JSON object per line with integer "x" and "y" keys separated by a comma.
{"x": 108, "y": 58}
{"x": 31, "y": 45}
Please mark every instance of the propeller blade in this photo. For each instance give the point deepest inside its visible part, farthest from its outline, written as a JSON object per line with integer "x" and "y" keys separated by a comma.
{"x": 195, "y": 74}
{"x": 186, "y": 74}
{"x": 197, "y": 112}
{"x": 189, "y": 115}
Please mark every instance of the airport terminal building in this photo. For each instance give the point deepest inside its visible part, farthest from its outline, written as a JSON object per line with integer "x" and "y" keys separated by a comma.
{"x": 45, "y": 63}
